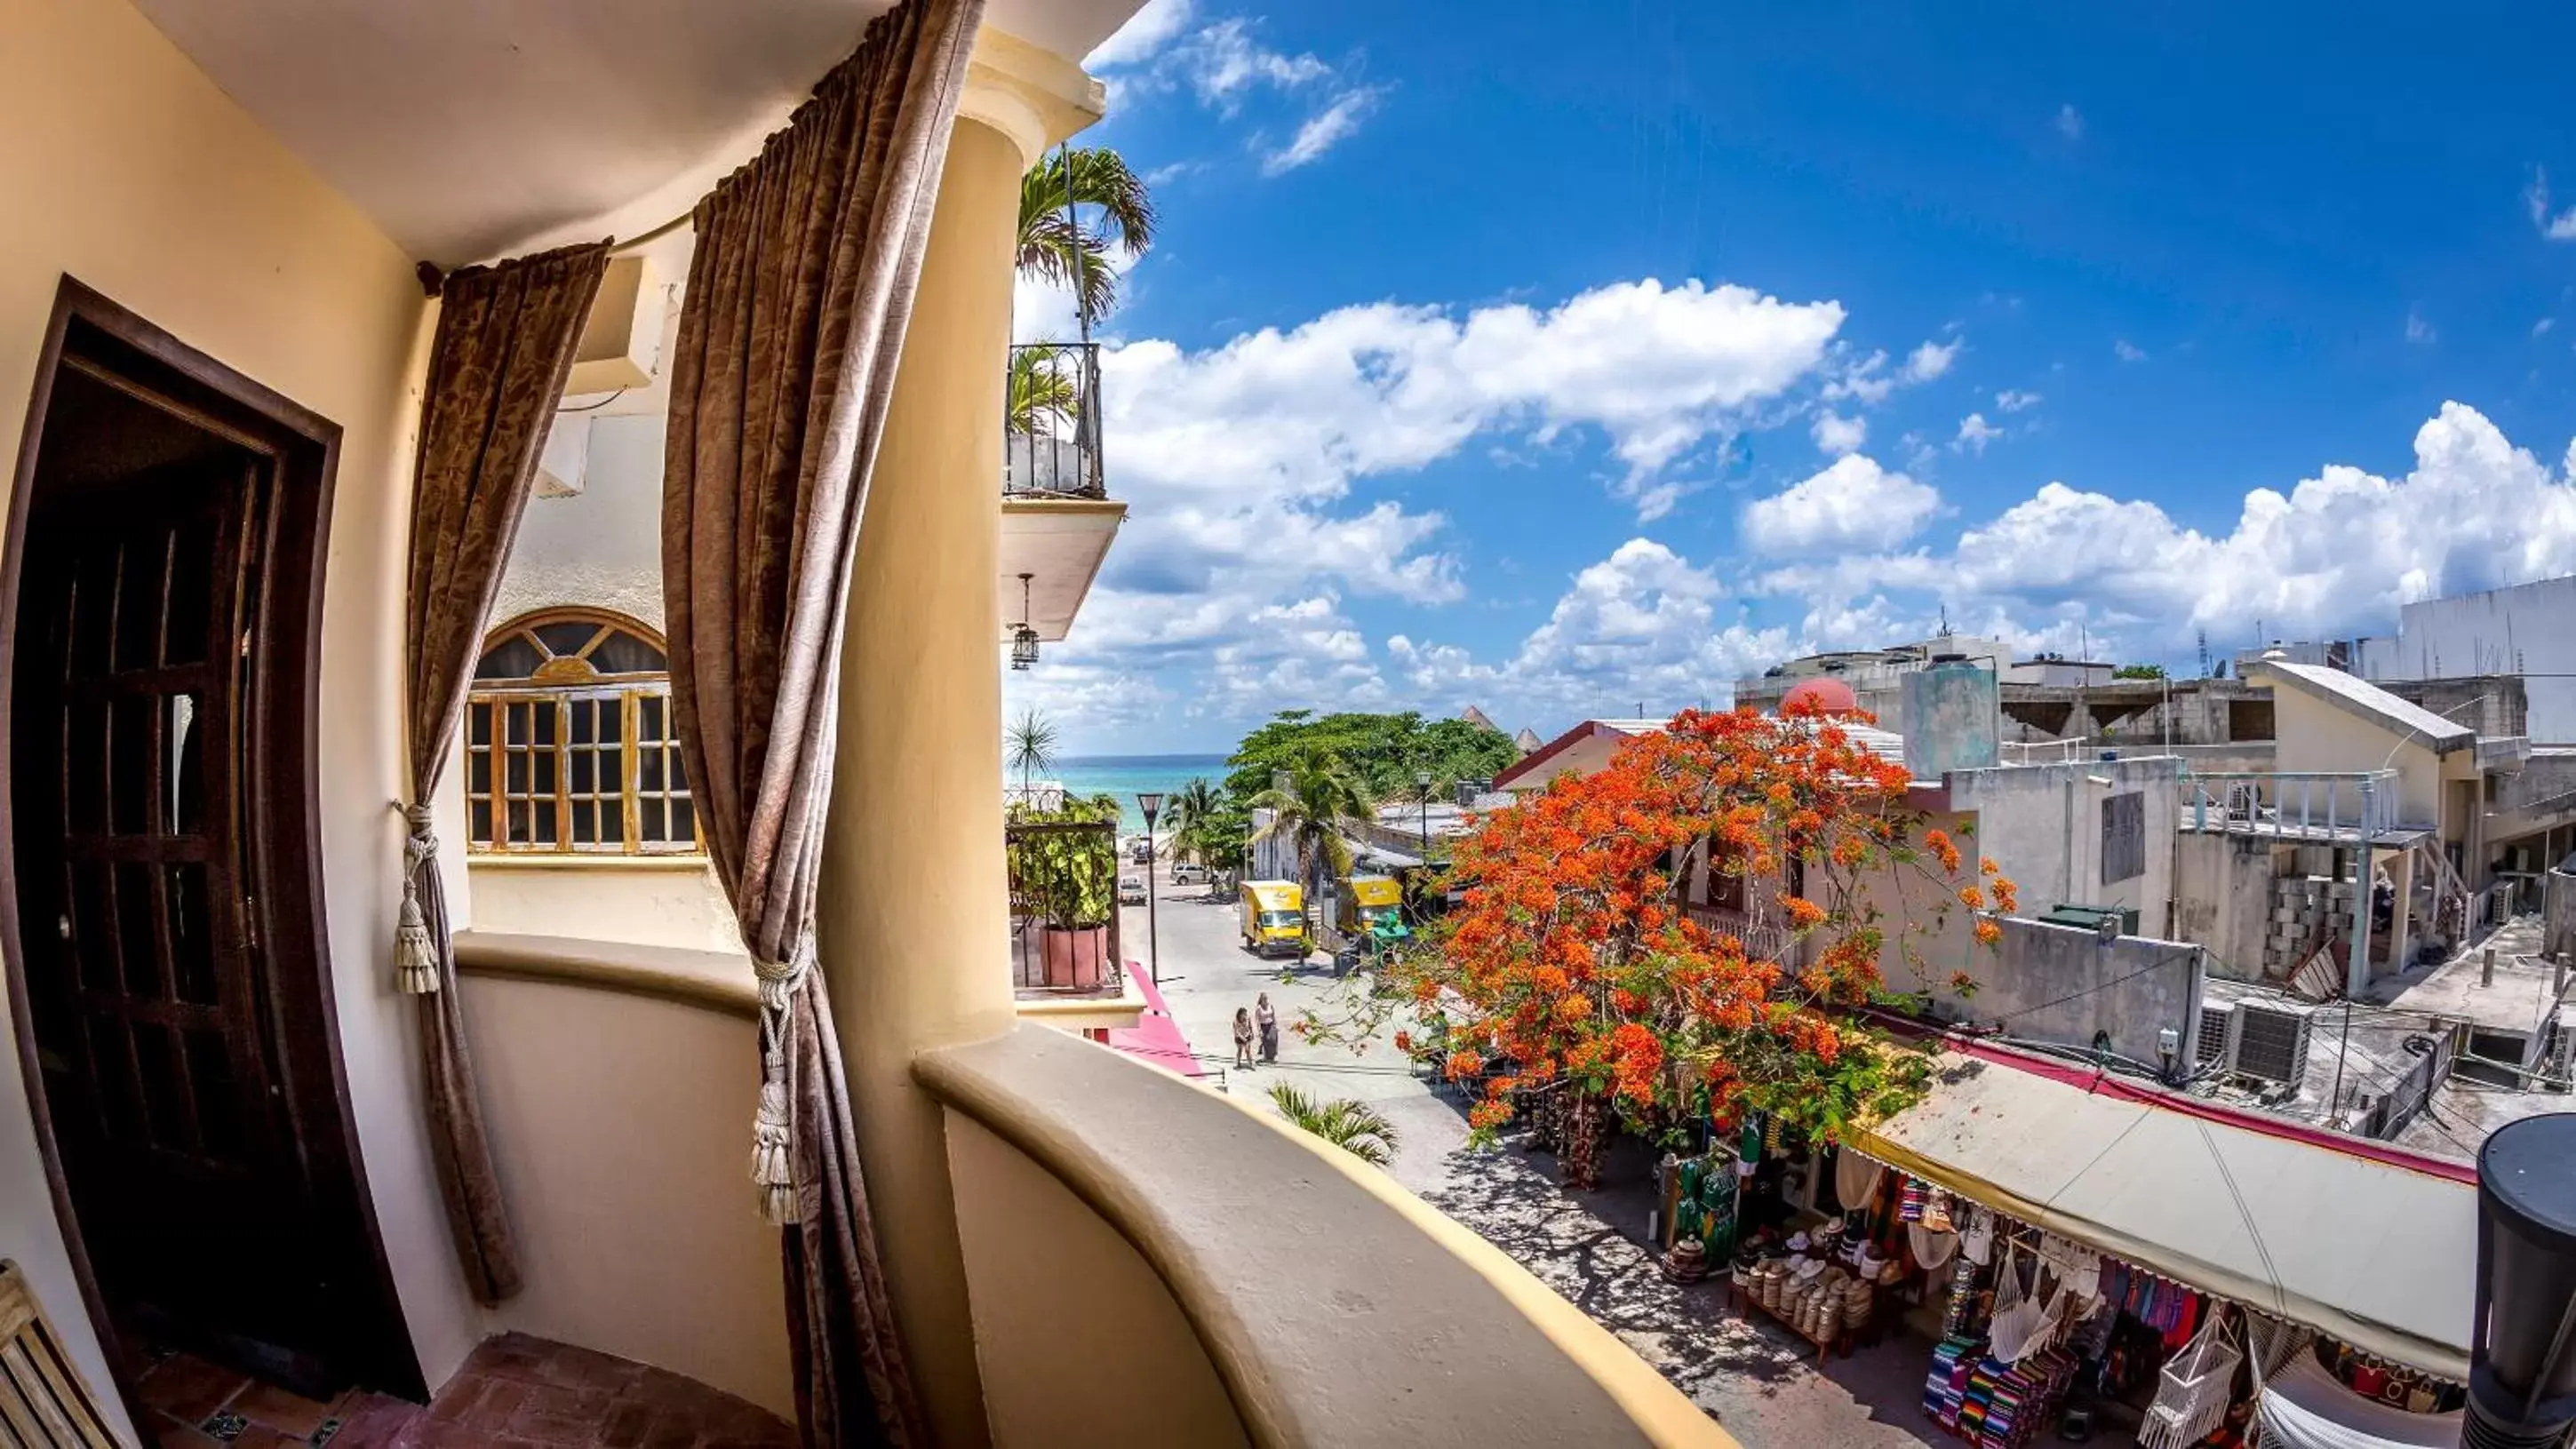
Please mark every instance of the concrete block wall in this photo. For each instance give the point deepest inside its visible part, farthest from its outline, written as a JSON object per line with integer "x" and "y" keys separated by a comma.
{"x": 2303, "y": 905}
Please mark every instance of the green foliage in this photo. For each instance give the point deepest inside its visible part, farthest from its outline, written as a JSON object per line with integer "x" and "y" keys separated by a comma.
{"x": 1110, "y": 210}
{"x": 1066, "y": 878}
{"x": 1385, "y": 751}
{"x": 2139, "y": 671}
{"x": 1318, "y": 793}
{"x": 1208, "y": 827}
{"x": 1349, "y": 1124}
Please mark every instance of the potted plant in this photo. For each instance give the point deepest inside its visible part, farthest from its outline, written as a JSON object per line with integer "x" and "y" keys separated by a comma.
{"x": 1064, "y": 873}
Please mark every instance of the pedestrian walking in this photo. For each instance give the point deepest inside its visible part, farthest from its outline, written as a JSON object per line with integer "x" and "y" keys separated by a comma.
{"x": 1268, "y": 1020}
{"x": 1242, "y": 1038}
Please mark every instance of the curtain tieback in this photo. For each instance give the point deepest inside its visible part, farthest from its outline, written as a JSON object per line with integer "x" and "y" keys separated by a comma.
{"x": 772, "y": 1166}
{"x": 415, "y": 963}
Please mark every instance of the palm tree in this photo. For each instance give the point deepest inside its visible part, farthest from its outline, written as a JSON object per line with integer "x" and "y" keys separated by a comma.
{"x": 1193, "y": 808}
{"x": 1349, "y": 1124}
{"x": 1054, "y": 244}
{"x": 1044, "y": 393}
{"x": 1029, "y": 747}
{"x": 1322, "y": 792}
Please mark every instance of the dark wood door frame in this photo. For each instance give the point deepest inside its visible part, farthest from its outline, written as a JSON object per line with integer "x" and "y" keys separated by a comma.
{"x": 96, "y": 336}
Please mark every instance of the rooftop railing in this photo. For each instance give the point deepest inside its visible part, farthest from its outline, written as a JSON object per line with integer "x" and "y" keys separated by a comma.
{"x": 1051, "y": 422}
{"x": 2318, "y": 806}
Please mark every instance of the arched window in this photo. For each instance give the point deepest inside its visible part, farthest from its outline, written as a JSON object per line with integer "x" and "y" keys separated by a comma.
{"x": 570, "y": 746}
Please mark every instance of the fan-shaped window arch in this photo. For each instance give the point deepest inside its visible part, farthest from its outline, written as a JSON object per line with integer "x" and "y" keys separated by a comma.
{"x": 570, "y": 745}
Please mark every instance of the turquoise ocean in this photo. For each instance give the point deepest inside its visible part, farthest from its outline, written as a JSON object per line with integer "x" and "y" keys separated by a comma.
{"x": 1124, "y": 775}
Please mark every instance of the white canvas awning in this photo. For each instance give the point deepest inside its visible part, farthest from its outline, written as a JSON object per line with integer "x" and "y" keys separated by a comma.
{"x": 2373, "y": 1252}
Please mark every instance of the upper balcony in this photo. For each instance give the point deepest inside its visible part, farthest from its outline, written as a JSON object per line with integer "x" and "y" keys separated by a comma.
{"x": 1057, "y": 516}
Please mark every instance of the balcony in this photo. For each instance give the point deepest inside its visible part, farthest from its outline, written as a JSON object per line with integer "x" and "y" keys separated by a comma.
{"x": 1051, "y": 422}
{"x": 1068, "y": 960}
{"x": 1057, "y": 516}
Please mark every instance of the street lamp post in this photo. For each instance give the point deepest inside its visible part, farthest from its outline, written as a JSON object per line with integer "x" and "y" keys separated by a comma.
{"x": 1422, "y": 789}
{"x": 1151, "y": 802}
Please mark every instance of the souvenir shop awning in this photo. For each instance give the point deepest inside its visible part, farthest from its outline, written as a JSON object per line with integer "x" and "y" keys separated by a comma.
{"x": 2370, "y": 1251}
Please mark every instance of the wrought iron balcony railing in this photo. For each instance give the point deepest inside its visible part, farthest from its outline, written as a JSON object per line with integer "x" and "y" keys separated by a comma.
{"x": 1051, "y": 422}
{"x": 1064, "y": 907}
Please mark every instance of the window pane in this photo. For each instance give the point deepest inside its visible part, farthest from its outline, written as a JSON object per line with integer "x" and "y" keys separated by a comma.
{"x": 515, "y": 778}
{"x": 512, "y": 658}
{"x": 585, "y": 722}
{"x": 478, "y": 822}
{"x": 514, "y": 723}
{"x": 478, "y": 772}
{"x": 684, "y": 821}
{"x": 649, "y": 712}
{"x": 565, "y": 637}
{"x": 585, "y": 823}
{"x": 545, "y": 725}
{"x": 585, "y": 771}
{"x": 679, "y": 772}
{"x": 519, "y": 822}
{"x": 545, "y": 772}
{"x": 129, "y": 763}
{"x": 547, "y": 831}
{"x": 648, "y": 770}
{"x": 478, "y": 723}
{"x": 623, "y": 653}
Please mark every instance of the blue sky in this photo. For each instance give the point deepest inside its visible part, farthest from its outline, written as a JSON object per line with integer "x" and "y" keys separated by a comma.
{"x": 1561, "y": 359}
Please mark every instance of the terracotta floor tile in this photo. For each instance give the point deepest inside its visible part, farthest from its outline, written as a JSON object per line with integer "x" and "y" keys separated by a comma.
{"x": 171, "y": 1434}
{"x": 188, "y": 1388}
{"x": 373, "y": 1421}
{"x": 272, "y": 1407}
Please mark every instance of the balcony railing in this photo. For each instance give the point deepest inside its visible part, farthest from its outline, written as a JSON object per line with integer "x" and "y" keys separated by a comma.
{"x": 1051, "y": 422}
{"x": 1064, "y": 908}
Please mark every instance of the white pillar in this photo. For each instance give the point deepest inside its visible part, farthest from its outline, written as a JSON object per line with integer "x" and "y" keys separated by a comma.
{"x": 913, "y": 907}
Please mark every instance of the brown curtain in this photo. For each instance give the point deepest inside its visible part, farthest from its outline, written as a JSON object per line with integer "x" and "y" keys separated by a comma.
{"x": 798, "y": 294}
{"x": 505, "y": 341}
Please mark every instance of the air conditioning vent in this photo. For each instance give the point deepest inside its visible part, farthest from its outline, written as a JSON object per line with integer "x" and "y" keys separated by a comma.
{"x": 2271, "y": 1044}
{"x": 2217, "y": 1034}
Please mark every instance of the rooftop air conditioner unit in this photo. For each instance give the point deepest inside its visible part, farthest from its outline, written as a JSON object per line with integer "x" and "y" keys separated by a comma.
{"x": 2270, "y": 1043}
{"x": 2217, "y": 1044}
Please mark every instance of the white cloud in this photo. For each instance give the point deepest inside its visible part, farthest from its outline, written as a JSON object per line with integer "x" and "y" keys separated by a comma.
{"x": 2535, "y": 199}
{"x": 2014, "y": 400}
{"x": 1852, "y": 504}
{"x": 1238, "y": 461}
{"x": 1643, "y": 626}
{"x": 1835, "y": 433}
{"x": 1931, "y": 360}
{"x": 2541, "y": 327}
{"x": 2127, "y": 351}
{"x": 2417, "y": 329}
{"x": 2069, "y": 123}
{"x": 1974, "y": 433}
{"x": 2339, "y": 553}
{"x": 1154, "y": 25}
{"x": 1323, "y": 130}
{"x": 1223, "y": 62}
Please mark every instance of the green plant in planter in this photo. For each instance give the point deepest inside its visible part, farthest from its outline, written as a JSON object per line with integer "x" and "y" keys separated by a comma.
{"x": 1068, "y": 879}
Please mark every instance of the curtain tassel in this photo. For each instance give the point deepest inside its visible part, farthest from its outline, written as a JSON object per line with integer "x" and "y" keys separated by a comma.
{"x": 415, "y": 962}
{"x": 772, "y": 1169}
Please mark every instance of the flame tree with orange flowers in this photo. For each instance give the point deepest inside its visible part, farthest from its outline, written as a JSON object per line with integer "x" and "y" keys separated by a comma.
{"x": 1572, "y": 982}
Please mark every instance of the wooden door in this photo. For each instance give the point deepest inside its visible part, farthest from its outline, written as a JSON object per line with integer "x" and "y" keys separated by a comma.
{"x": 153, "y": 1001}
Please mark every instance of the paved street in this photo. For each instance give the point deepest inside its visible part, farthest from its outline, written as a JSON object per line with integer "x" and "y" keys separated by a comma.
{"x": 1769, "y": 1396}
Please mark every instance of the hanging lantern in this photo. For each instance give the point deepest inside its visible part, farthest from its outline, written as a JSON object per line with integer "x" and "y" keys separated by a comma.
{"x": 1024, "y": 639}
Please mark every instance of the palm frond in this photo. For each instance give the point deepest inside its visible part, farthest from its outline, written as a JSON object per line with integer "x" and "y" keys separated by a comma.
{"x": 1348, "y": 1123}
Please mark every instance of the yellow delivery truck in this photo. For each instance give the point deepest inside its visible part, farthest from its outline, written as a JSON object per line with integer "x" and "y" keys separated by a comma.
{"x": 1372, "y": 905}
{"x": 1274, "y": 918}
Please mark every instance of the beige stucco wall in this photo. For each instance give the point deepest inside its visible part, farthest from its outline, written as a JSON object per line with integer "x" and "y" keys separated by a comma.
{"x": 601, "y": 547}
{"x": 648, "y": 903}
{"x": 622, "y": 1129}
{"x": 2313, "y": 735}
{"x": 1079, "y": 1339}
{"x": 126, "y": 167}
